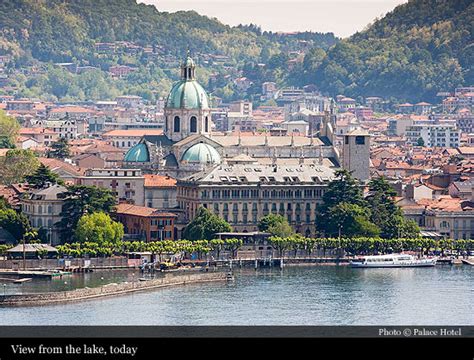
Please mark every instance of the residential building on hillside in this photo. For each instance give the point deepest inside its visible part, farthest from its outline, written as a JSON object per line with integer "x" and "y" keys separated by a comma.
{"x": 434, "y": 135}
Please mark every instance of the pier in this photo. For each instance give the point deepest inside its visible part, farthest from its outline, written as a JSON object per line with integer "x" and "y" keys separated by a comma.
{"x": 110, "y": 289}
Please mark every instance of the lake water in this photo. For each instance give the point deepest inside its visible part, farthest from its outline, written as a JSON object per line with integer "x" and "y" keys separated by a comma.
{"x": 319, "y": 295}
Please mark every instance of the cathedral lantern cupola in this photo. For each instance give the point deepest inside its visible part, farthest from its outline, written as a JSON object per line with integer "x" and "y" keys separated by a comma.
{"x": 187, "y": 110}
{"x": 188, "y": 69}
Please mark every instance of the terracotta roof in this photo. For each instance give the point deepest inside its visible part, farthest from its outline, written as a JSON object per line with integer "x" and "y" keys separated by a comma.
{"x": 55, "y": 164}
{"x": 35, "y": 130}
{"x": 450, "y": 204}
{"x": 128, "y": 209}
{"x": 72, "y": 109}
{"x": 159, "y": 181}
{"x": 466, "y": 150}
{"x": 25, "y": 138}
{"x": 133, "y": 132}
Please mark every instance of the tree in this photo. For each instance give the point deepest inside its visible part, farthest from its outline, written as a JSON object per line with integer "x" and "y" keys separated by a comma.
{"x": 420, "y": 142}
{"x": 15, "y": 223}
{"x": 332, "y": 217}
{"x": 16, "y": 164}
{"x": 42, "y": 176}
{"x": 280, "y": 244}
{"x": 344, "y": 188}
{"x": 99, "y": 228}
{"x": 385, "y": 213}
{"x": 217, "y": 245}
{"x": 9, "y": 128}
{"x": 59, "y": 149}
{"x": 205, "y": 225}
{"x": 233, "y": 245}
{"x": 281, "y": 229}
{"x": 345, "y": 219}
{"x": 81, "y": 200}
{"x": 269, "y": 220}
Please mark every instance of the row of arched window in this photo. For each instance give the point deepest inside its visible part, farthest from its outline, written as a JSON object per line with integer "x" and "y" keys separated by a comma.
{"x": 192, "y": 124}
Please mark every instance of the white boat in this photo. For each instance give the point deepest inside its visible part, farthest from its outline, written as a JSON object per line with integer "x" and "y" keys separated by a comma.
{"x": 392, "y": 261}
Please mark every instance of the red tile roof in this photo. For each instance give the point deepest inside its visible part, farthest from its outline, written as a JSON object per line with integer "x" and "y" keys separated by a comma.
{"x": 128, "y": 209}
{"x": 133, "y": 132}
{"x": 159, "y": 181}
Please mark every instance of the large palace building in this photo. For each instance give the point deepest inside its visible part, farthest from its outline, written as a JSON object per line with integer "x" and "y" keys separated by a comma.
{"x": 243, "y": 178}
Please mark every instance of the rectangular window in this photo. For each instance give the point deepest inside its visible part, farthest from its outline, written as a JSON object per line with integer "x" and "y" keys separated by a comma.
{"x": 360, "y": 140}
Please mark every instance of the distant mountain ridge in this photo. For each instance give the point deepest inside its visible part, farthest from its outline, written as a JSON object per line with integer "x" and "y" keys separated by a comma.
{"x": 418, "y": 49}
{"x": 59, "y": 30}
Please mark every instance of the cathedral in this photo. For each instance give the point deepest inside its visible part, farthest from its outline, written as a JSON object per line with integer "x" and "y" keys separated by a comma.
{"x": 188, "y": 145}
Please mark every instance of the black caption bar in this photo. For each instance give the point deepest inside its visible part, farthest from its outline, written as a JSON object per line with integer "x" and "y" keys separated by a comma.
{"x": 237, "y": 331}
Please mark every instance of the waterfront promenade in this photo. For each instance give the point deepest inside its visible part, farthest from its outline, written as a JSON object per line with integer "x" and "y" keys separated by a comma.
{"x": 110, "y": 289}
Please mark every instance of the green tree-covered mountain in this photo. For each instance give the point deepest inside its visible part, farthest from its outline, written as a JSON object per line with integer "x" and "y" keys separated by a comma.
{"x": 418, "y": 49}
{"x": 55, "y": 31}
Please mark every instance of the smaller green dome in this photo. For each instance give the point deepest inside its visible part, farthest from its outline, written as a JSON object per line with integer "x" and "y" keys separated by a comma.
{"x": 138, "y": 153}
{"x": 202, "y": 153}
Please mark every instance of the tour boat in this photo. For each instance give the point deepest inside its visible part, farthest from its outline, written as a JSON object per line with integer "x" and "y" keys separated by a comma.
{"x": 392, "y": 261}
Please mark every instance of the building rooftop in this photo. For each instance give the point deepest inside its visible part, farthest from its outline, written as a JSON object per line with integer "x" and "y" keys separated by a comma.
{"x": 128, "y": 209}
{"x": 239, "y": 174}
{"x": 159, "y": 181}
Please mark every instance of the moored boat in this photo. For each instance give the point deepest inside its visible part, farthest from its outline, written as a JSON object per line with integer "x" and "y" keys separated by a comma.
{"x": 392, "y": 261}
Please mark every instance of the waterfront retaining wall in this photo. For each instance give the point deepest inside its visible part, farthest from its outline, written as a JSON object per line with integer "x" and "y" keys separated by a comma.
{"x": 108, "y": 290}
{"x": 108, "y": 262}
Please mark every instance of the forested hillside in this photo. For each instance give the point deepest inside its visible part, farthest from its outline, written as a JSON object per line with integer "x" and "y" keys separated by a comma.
{"x": 418, "y": 49}
{"x": 56, "y": 31}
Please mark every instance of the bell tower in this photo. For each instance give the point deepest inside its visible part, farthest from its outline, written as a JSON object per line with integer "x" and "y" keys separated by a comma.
{"x": 356, "y": 154}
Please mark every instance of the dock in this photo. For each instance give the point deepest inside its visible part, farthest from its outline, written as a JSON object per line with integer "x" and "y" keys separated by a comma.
{"x": 33, "y": 273}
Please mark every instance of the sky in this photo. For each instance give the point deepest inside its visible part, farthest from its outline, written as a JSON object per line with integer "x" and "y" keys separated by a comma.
{"x": 342, "y": 17}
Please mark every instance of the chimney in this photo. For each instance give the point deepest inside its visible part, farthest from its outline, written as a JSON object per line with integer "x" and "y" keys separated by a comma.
{"x": 410, "y": 192}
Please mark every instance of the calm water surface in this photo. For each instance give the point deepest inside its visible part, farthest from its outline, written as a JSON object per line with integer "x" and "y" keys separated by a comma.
{"x": 323, "y": 295}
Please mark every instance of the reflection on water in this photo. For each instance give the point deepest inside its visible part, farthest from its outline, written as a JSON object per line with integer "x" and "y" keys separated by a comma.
{"x": 322, "y": 295}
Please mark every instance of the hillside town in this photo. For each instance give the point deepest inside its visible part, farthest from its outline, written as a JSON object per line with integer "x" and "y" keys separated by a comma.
{"x": 165, "y": 160}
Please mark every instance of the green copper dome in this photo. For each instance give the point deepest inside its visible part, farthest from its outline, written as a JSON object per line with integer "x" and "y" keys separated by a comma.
{"x": 138, "y": 153}
{"x": 202, "y": 153}
{"x": 187, "y": 94}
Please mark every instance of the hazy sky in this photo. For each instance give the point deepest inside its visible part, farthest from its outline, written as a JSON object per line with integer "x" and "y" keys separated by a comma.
{"x": 342, "y": 17}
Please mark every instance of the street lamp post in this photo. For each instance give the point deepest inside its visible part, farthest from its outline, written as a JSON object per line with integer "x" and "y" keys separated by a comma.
{"x": 24, "y": 253}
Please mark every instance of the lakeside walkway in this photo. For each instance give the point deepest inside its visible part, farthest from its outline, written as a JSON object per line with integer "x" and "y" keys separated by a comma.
{"x": 50, "y": 298}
